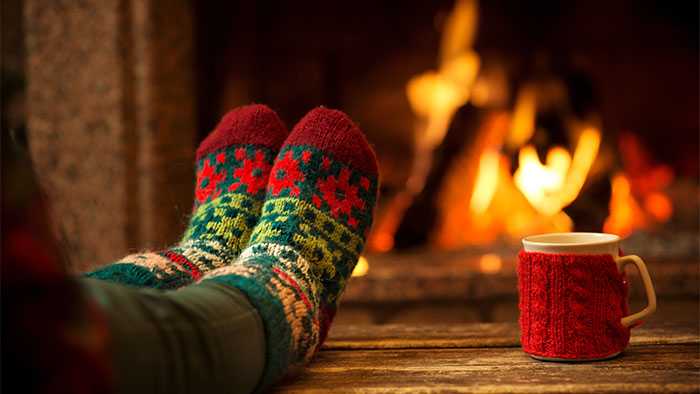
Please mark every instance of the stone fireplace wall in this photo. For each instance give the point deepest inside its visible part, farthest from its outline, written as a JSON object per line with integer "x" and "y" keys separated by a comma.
{"x": 111, "y": 120}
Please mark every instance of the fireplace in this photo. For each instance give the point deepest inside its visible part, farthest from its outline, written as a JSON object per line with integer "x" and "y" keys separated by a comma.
{"x": 492, "y": 120}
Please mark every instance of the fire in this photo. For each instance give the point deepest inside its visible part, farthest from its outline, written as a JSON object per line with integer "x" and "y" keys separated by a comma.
{"x": 480, "y": 199}
{"x": 625, "y": 213}
{"x": 434, "y": 96}
{"x": 533, "y": 198}
{"x": 552, "y": 186}
{"x": 584, "y": 156}
{"x": 528, "y": 201}
{"x": 486, "y": 181}
{"x": 542, "y": 183}
{"x": 523, "y": 124}
{"x": 460, "y": 30}
{"x": 638, "y": 200}
{"x": 659, "y": 206}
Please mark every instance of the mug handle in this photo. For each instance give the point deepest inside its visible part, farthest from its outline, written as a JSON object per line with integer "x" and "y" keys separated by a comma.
{"x": 632, "y": 319}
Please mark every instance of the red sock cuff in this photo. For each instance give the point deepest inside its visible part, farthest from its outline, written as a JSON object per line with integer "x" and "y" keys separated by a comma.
{"x": 571, "y": 305}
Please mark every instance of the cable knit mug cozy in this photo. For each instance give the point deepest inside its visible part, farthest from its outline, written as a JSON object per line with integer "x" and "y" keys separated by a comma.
{"x": 573, "y": 296}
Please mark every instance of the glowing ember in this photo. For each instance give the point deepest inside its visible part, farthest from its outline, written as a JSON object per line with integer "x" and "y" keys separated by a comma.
{"x": 361, "y": 268}
{"x": 381, "y": 241}
{"x": 490, "y": 263}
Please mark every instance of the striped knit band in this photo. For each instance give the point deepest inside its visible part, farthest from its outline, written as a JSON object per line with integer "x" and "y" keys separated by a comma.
{"x": 279, "y": 284}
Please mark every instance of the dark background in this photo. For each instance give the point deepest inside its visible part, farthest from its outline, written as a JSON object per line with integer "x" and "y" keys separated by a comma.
{"x": 641, "y": 56}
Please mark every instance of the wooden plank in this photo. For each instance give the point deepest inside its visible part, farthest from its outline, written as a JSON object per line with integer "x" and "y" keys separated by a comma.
{"x": 398, "y": 336}
{"x": 641, "y": 369}
{"x": 666, "y": 333}
{"x": 392, "y": 336}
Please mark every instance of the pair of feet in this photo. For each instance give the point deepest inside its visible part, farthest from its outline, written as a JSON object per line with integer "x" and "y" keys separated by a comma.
{"x": 280, "y": 216}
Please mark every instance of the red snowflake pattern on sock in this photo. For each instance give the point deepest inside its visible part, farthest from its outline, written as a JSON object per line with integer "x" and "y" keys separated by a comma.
{"x": 305, "y": 156}
{"x": 317, "y": 201}
{"x": 285, "y": 175}
{"x": 340, "y": 195}
{"x": 326, "y": 163}
{"x": 240, "y": 154}
{"x": 364, "y": 182}
{"x": 213, "y": 179}
{"x": 253, "y": 174}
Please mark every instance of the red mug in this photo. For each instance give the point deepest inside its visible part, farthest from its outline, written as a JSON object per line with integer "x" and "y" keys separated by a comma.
{"x": 573, "y": 296}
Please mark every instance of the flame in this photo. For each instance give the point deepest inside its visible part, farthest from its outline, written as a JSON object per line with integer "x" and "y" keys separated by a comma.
{"x": 523, "y": 122}
{"x": 584, "y": 156}
{"x": 381, "y": 241}
{"x": 486, "y": 181}
{"x": 480, "y": 199}
{"x": 541, "y": 183}
{"x": 659, "y": 206}
{"x": 434, "y": 96}
{"x": 361, "y": 268}
{"x": 460, "y": 29}
{"x": 625, "y": 213}
{"x": 638, "y": 200}
{"x": 462, "y": 71}
{"x": 552, "y": 186}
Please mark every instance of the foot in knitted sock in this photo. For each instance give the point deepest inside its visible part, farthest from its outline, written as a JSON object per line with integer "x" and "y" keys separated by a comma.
{"x": 233, "y": 166}
{"x": 314, "y": 221}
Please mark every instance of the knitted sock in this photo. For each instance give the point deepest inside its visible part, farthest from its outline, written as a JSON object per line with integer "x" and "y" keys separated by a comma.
{"x": 233, "y": 165}
{"x": 320, "y": 198}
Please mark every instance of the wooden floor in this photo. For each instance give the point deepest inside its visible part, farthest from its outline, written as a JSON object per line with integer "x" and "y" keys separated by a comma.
{"x": 486, "y": 358}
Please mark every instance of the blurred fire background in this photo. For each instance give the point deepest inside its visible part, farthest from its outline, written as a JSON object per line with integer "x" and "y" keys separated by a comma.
{"x": 492, "y": 120}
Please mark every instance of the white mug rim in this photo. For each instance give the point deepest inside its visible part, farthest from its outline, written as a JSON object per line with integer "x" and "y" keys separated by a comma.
{"x": 594, "y": 239}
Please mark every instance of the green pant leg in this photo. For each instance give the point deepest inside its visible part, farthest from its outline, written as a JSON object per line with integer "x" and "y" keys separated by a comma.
{"x": 204, "y": 338}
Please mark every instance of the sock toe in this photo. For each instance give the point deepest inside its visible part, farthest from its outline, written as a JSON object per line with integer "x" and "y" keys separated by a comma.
{"x": 333, "y": 131}
{"x": 254, "y": 124}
